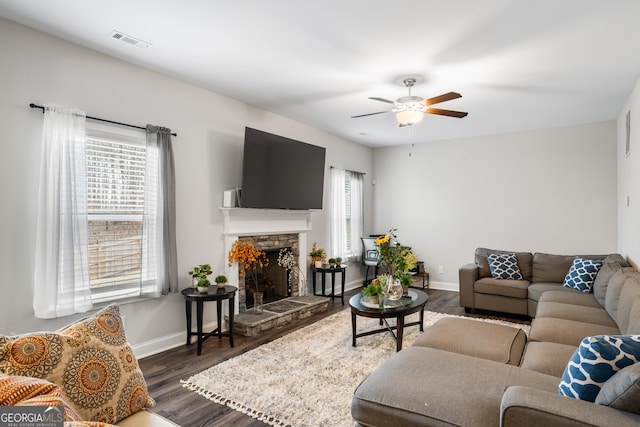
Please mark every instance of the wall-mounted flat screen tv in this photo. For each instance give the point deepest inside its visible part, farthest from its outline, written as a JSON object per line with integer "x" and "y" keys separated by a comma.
{"x": 281, "y": 173}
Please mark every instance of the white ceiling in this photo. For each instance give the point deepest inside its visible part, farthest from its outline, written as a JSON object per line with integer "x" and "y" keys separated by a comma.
{"x": 519, "y": 64}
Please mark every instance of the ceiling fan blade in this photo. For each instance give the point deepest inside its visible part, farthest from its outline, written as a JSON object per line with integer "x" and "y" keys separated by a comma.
{"x": 369, "y": 114}
{"x": 388, "y": 101}
{"x": 442, "y": 98}
{"x": 450, "y": 113}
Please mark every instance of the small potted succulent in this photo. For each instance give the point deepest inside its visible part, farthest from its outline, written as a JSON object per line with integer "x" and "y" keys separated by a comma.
{"x": 338, "y": 261}
{"x": 221, "y": 280}
{"x": 373, "y": 291}
{"x": 406, "y": 280}
{"x": 200, "y": 275}
{"x": 203, "y": 285}
{"x": 332, "y": 262}
{"x": 318, "y": 256}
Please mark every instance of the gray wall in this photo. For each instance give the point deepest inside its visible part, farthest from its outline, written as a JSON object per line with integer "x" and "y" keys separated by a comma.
{"x": 629, "y": 179}
{"x": 550, "y": 190}
{"x": 208, "y": 154}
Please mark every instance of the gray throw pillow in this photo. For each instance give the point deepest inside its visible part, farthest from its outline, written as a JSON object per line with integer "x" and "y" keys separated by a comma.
{"x": 602, "y": 280}
{"x": 622, "y": 390}
{"x": 614, "y": 287}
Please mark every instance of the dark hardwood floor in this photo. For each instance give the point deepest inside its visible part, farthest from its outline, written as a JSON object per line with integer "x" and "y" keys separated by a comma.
{"x": 164, "y": 371}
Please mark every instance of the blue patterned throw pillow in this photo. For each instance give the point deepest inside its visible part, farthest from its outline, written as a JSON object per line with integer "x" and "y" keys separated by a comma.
{"x": 582, "y": 274}
{"x": 504, "y": 266}
{"x": 596, "y": 360}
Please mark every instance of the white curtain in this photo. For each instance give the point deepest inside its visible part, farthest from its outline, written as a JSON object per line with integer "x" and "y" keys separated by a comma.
{"x": 338, "y": 214}
{"x": 357, "y": 214}
{"x": 159, "y": 258}
{"x": 346, "y": 190}
{"x": 61, "y": 274}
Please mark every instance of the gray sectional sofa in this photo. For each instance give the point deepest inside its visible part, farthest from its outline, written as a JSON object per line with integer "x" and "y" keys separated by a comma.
{"x": 541, "y": 271}
{"x": 463, "y": 372}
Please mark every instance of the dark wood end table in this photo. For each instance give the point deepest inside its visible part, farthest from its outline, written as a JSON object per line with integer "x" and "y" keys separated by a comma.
{"x": 408, "y": 305}
{"x": 214, "y": 294}
{"x": 342, "y": 269}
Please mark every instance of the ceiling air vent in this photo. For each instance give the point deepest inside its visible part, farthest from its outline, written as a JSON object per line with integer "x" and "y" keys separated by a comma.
{"x": 118, "y": 35}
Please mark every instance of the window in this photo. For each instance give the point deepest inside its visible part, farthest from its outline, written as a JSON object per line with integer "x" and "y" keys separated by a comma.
{"x": 116, "y": 164}
{"x": 106, "y": 214}
{"x": 347, "y": 216}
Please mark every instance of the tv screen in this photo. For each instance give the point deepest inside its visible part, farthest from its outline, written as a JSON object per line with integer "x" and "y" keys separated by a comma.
{"x": 281, "y": 173}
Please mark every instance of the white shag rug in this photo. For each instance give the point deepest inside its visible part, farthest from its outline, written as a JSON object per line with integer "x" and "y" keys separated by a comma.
{"x": 307, "y": 377}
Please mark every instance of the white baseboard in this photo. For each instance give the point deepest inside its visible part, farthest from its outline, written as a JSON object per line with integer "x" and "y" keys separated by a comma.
{"x": 158, "y": 345}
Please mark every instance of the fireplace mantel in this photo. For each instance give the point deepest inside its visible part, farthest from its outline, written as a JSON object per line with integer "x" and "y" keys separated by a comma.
{"x": 241, "y": 222}
{"x": 246, "y": 222}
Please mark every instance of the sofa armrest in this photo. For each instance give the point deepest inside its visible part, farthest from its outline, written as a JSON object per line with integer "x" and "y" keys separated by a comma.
{"x": 529, "y": 407}
{"x": 467, "y": 275}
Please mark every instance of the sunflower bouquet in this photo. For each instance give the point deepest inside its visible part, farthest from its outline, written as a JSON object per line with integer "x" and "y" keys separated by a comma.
{"x": 397, "y": 259}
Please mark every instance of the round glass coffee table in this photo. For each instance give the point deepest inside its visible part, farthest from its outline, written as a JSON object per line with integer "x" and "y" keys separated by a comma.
{"x": 410, "y": 304}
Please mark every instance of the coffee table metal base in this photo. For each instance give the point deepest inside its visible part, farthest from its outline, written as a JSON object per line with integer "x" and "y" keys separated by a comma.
{"x": 357, "y": 309}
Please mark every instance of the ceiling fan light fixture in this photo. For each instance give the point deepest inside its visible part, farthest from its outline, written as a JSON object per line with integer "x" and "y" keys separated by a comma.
{"x": 409, "y": 117}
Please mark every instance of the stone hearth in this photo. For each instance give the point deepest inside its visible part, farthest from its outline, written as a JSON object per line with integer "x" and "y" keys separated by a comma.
{"x": 277, "y": 314}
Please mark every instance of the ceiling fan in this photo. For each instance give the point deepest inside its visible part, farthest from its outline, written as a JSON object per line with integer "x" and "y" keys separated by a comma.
{"x": 411, "y": 109}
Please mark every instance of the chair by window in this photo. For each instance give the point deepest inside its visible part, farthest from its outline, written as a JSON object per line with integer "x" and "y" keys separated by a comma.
{"x": 370, "y": 256}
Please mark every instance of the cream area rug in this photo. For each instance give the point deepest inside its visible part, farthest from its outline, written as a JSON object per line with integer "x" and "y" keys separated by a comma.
{"x": 307, "y": 377}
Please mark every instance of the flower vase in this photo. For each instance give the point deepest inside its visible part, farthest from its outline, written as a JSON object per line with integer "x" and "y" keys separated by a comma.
{"x": 394, "y": 289}
{"x": 257, "y": 302}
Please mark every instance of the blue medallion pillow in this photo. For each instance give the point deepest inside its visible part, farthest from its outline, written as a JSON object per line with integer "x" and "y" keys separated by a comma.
{"x": 596, "y": 360}
{"x": 582, "y": 274}
{"x": 504, "y": 266}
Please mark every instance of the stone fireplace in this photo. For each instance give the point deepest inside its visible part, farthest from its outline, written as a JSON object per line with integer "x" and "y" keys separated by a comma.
{"x": 273, "y": 279}
{"x": 271, "y": 230}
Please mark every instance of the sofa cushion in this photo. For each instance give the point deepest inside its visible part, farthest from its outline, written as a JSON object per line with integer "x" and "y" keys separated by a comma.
{"x": 614, "y": 288}
{"x": 547, "y": 357}
{"x": 582, "y": 273}
{"x": 524, "y": 262}
{"x": 90, "y": 361}
{"x": 536, "y": 290}
{"x": 578, "y": 313}
{"x": 563, "y": 331}
{"x": 570, "y": 296}
{"x": 596, "y": 360}
{"x": 504, "y": 266}
{"x": 602, "y": 280}
{"x": 385, "y": 397}
{"x": 507, "y": 288}
{"x": 628, "y": 296}
{"x": 622, "y": 390}
{"x": 501, "y": 343}
{"x": 550, "y": 267}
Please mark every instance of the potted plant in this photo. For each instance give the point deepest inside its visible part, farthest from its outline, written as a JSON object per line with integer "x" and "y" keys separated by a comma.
{"x": 201, "y": 271}
{"x": 203, "y": 285}
{"x": 373, "y": 291}
{"x": 221, "y": 280}
{"x": 406, "y": 280}
{"x": 338, "y": 261}
{"x": 318, "y": 255}
{"x": 332, "y": 262}
{"x": 249, "y": 260}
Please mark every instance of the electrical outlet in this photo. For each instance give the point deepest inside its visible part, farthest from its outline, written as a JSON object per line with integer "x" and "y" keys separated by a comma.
{"x": 440, "y": 269}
